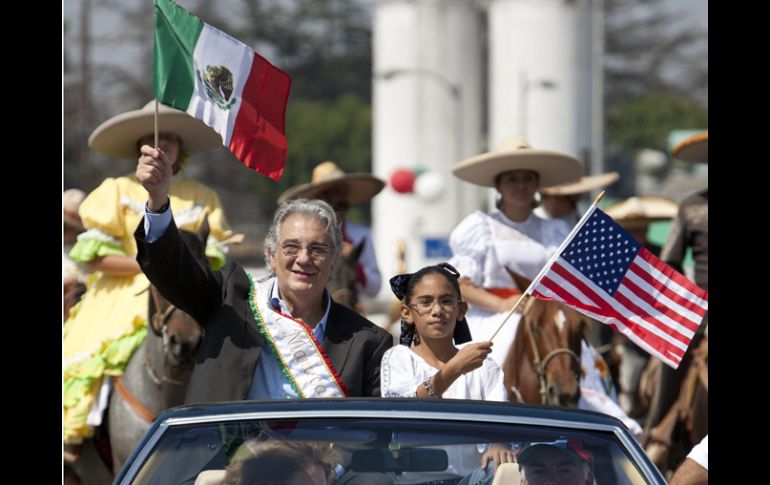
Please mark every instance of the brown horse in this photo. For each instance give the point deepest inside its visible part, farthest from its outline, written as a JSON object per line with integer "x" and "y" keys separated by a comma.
{"x": 543, "y": 365}
{"x": 158, "y": 373}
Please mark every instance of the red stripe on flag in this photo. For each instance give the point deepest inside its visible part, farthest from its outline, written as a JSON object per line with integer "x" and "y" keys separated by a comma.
{"x": 639, "y": 312}
{"x": 659, "y": 305}
{"x": 653, "y": 344}
{"x": 607, "y": 310}
{"x": 658, "y": 343}
{"x": 672, "y": 274}
{"x": 259, "y": 133}
{"x": 663, "y": 289}
{"x": 603, "y": 300}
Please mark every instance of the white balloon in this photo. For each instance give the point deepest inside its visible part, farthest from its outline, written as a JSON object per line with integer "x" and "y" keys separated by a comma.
{"x": 429, "y": 186}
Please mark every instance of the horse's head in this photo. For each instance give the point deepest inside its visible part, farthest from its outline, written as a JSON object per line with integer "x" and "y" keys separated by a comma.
{"x": 544, "y": 365}
{"x": 181, "y": 334}
{"x": 343, "y": 285}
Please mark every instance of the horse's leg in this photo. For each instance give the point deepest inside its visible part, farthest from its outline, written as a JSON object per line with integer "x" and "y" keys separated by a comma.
{"x": 699, "y": 415}
{"x": 632, "y": 363}
{"x": 666, "y": 393}
{"x": 125, "y": 425}
{"x": 123, "y": 418}
{"x": 70, "y": 477}
{"x": 661, "y": 437}
{"x": 697, "y": 399}
{"x": 90, "y": 467}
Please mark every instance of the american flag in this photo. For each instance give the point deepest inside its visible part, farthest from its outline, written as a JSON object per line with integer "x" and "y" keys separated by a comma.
{"x": 603, "y": 272}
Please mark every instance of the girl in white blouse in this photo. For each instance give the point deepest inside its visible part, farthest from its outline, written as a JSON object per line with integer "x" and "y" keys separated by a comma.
{"x": 427, "y": 364}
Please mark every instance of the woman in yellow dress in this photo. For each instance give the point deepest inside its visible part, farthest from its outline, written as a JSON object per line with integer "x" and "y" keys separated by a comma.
{"x": 110, "y": 321}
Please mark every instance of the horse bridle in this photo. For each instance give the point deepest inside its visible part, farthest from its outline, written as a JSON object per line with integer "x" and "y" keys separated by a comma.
{"x": 542, "y": 366}
{"x": 162, "y": 320}
{"x": 133, "y": 402}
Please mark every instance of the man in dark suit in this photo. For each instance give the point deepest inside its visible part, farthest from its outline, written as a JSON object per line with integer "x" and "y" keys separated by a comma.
{"x": 279, "y": 337}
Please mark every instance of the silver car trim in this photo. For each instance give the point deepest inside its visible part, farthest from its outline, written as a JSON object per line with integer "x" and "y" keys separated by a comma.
{"x": 648, "y": 471}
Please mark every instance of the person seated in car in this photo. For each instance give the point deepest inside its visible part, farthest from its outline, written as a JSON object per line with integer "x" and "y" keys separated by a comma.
{"x": 562, "y": 462}
{"x": 428, "y": 363}
{"x": 283, "y": 463}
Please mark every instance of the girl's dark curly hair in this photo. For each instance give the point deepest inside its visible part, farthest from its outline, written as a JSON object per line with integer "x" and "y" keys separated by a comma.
{"x": 403, "y": 287}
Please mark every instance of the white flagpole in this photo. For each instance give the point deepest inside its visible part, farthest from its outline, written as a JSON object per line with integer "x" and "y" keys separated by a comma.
{"x": 156, "y": 123}
{"x": 555, "y": 255}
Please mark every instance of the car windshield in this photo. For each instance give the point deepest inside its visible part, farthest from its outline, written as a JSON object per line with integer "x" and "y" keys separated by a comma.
{"x": 405, "y": 450}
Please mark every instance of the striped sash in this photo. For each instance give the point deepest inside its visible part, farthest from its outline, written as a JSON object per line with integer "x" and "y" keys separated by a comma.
{"x": 299, "y": 355}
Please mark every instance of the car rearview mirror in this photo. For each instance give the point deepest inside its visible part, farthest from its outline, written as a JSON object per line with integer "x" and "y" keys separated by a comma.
{"x": 406, "y": 460}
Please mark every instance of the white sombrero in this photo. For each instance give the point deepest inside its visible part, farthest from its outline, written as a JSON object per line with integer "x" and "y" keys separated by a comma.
{"x": 639, "y": 211}
{"x": 361, "y": 186}
{"x": 694, "y": 148}
{"x": 117, "y": 136}
{"x": 514, "y": 153}
{"x": 585, "y": 184}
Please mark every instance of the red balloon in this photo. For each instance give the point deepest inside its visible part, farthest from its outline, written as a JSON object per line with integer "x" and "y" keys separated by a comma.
{"x": 402, "y": 181}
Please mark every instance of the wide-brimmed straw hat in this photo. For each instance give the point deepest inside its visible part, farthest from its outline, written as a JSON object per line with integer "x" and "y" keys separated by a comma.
{"x": 637, "y": 212}
{"x": 693, "y": 149}
{"x": 361, "y": 186}
{"x": 70, "y": 201}
{"x": 514, "y": 153}
{"x": 117, "y": 136}
{"x": 585, "y": 184}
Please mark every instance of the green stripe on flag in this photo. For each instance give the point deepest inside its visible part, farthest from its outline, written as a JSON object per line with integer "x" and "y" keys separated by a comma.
{"x": 176, "y": 33}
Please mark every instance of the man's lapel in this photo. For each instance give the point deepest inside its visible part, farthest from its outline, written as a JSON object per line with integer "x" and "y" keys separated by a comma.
{"x": 336, "y": 342}
{"x": 251, "y": 357}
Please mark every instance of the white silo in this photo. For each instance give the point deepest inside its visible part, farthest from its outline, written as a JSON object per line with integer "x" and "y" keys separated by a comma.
{"x": 427, "y": 115}
{"x": 540, "y": 74}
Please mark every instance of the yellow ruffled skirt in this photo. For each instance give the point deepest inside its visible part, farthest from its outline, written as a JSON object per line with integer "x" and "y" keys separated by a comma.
{"x": 102, "y": 333}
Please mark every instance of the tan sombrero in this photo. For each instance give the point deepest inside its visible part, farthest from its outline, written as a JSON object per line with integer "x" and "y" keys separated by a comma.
{"x": 693, "y": 149}
{"x": 361, "y": 186}
{"x": 70, "y": 202}
{"x": 585, "y": 184}
{"x": 117, "y": 136}
{"x": 639, "y": 211}
{"x": 514, "y": 153}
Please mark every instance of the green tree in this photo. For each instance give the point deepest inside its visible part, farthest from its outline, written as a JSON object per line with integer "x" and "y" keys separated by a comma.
{"x": 646, "y": 121}
{"x": 338, "y": 130}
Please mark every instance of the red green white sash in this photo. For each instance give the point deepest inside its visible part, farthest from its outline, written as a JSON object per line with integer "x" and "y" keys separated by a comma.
{"x": 299, "y": 355}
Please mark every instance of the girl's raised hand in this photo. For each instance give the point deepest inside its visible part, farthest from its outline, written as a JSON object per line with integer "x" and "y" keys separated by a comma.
{"x": 470, "y": 357}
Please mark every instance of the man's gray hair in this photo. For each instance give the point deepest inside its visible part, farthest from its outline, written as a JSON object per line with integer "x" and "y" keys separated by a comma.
{"x": 314, "y": 208}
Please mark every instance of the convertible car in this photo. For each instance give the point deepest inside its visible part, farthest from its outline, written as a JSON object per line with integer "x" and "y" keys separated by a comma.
{"x": 439, "y": 441}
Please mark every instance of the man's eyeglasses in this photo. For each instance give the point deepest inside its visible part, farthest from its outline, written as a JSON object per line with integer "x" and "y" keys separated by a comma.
{"x": 423, "y": 307}
{"x": 317, "y": 252}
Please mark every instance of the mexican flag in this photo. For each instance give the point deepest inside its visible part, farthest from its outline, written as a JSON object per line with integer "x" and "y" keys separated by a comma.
{"x": 221, "y": 81}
